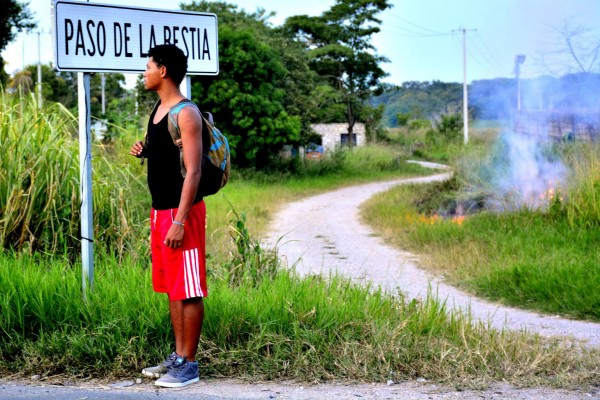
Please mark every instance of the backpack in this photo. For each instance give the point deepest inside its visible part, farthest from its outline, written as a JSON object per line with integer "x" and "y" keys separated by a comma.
{"x": 216, "y": 162}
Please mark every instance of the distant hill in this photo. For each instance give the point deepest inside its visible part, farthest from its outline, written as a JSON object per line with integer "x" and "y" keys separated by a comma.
{"x": 421, "y": 100}
{"x": 490, "y": 99}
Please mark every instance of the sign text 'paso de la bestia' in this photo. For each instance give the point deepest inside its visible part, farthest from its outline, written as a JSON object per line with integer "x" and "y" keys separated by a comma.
{"x": 95, "y": 37}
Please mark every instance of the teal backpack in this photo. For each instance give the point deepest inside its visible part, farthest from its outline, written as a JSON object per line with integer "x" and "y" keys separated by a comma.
{"x": 216, "y": 159}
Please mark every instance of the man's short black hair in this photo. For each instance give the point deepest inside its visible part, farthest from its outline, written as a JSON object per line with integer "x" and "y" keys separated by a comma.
{"x": 172, "y": 58}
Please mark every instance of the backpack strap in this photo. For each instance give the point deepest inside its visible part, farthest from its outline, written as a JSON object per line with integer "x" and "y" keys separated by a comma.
{"x": 173, "y": 127}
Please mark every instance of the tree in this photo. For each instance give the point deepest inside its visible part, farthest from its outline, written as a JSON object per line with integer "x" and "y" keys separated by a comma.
{"x": 250, "y": 99}
{"x": 578, "y": 50}
{"x": 21, "y": 82}
{"x": 14, "y": 18}
{"x": 113, "y": 90}
{"x": 145, "y": 99}
{"x": 340, "y": 51}
{"x": 61, "y": 87}
{"x": 247, "y": 98}
{"x": 57, "y": 86}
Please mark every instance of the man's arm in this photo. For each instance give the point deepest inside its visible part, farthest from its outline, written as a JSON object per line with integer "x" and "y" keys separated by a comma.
{"x": 190, "y": 127}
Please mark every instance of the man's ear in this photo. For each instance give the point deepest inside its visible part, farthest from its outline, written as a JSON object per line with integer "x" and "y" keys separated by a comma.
{"x": 163, "y": 71}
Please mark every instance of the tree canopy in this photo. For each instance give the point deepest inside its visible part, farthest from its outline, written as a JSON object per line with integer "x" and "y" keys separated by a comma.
{"x": 257, "y": 99}
{"x": 577, "y": 50}
{"x": 340, "y": 51}
{"x": 14, "y": 18}
{"x": 419, "y": 100}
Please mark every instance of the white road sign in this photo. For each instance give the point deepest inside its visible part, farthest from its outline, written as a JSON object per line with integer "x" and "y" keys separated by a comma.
{"x": 95, "y": 37}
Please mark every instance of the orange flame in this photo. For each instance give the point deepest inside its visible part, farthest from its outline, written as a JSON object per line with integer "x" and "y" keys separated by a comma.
{"x": 458, "y": 219}
{"x": 552, "y": 193}
{"x": 435, "y": 218}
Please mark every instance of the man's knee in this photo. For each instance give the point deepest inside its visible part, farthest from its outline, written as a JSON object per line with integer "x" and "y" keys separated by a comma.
{"x": 193, "y": 300}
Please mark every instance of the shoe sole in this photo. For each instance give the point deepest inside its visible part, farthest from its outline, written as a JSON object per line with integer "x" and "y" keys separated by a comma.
{"x": 176, "y": 384}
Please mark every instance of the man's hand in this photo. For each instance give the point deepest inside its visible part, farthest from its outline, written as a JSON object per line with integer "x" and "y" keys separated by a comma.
{"x": 174, "y": 237}
{"x": 137, "y": 149}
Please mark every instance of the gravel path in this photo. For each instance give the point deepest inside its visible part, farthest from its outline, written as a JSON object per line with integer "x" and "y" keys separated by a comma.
{"x": 323, "y": 234}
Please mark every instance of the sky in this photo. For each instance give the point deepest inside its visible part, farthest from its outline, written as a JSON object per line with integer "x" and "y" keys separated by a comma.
{"x": 423, "y": 39}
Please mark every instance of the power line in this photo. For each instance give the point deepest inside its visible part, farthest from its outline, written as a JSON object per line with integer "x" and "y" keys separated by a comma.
{"x": 431, "y": 31}
{"x": 493, "y": 56}
{"x": 493, "y": 67}
{"x": 408, "y": 33}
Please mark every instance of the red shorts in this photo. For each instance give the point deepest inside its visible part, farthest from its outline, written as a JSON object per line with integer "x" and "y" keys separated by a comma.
{"x": 180, "y": 272}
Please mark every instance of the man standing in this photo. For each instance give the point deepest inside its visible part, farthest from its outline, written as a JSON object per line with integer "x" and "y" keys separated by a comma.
{"x": 178, "y": 214}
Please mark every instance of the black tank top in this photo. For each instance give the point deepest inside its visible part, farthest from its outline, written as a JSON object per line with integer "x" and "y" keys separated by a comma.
{"x": 164, "y": 173}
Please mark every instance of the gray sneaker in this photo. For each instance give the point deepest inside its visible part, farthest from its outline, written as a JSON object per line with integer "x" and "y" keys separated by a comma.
{"x": 181, "y": 373}
{"x": 162, "y": 368}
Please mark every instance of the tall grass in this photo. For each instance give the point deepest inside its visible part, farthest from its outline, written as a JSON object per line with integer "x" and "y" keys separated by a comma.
{"x": 39, "y": 184}
{"x": 583, "y": 205}
{"x": 46, "y": 326}
{"x": 266, "y": 327}
{"x": 441, "y": 144}
{"x": 38, "y": 178}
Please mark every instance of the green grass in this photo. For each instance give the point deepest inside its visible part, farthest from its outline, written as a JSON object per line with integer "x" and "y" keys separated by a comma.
{"x": 538, "y": 263}
{"x": 275, "y": 326}
{"x": 40, "y": 194}
{"x": 430, "y": 144}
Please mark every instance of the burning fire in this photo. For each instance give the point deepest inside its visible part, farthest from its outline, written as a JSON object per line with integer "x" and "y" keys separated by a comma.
{"x": 435, "y": 218}
{"x": 551, "y": 194}
{"x": 458, "y": 219}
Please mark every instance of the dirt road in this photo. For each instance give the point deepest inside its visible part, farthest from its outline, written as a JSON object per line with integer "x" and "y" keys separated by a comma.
{"x": 323, "y": 234}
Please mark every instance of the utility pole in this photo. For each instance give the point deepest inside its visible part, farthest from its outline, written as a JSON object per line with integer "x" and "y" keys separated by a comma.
{"x": 103, "y": 80}
{"x": 519, "y": 59}
{"x": 39, "y": 69}
{"x": 39, "y": 74}
{"x": 465, "y": 90}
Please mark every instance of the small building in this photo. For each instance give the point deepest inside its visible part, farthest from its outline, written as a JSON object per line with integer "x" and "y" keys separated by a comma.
{"x": 334, "y": 135}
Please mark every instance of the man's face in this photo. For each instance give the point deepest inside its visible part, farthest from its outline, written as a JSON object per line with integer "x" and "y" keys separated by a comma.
{"x": 152, "y": 75}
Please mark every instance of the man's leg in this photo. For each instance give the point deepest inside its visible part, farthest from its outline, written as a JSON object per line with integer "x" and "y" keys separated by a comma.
{"x": 187, "y": 317}
{"x": 193, "y": 316}
{"x": 159, "y": 221}
{"x": 187, "y": 282}
{"x": 176, "y": 311}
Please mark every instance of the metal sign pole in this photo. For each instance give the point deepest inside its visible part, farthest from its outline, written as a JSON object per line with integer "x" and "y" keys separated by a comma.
{"x": 85, "y": 182}
{"x": 186, "y": 87}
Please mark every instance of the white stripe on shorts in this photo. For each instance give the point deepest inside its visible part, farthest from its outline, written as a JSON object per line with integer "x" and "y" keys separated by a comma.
{"x": 191, "y": 274}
